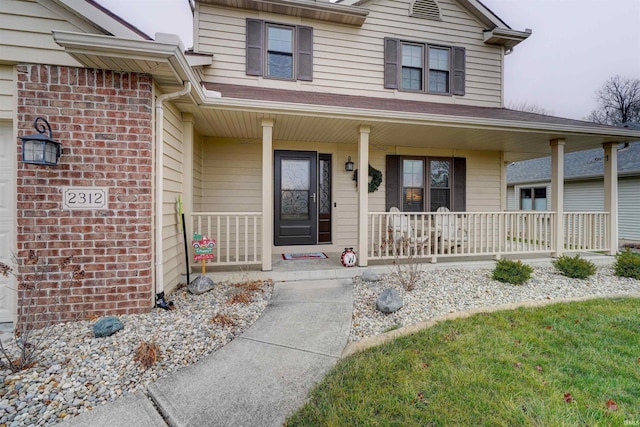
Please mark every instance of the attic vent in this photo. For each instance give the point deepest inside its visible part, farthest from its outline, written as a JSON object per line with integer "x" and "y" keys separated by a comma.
{"x": 427, "y": 9}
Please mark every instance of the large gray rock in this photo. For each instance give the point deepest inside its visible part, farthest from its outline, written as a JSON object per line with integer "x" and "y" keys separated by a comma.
{"x": 389, "y": 301}
{"x": 370, "y": 276}
{"x": 200, "y": 285}
{"x": 106, "y": 326}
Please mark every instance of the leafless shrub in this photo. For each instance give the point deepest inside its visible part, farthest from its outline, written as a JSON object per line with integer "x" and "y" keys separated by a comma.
{"x": 256, "y": 285}
{"x": 223, "y": 320}
{"x": 147, "y": 353}
{"x": 38, "y": 308}
{"x": 243, "y": 297}
{"x": 407, "y": 269}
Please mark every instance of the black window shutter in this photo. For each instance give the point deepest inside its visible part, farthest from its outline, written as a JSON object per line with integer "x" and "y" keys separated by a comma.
{"x": 392, "y": 183}
{"x": 459, "y": 184}
{"x": 254, "y": 60}
{"x": 459, "y": 66}
{"x": 305, "y": 53}
{"x": 391, "y": 49}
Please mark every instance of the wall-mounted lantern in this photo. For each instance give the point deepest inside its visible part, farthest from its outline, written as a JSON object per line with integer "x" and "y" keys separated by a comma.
{"x": 348, "y": 166}
{"x": 39, "y": 148}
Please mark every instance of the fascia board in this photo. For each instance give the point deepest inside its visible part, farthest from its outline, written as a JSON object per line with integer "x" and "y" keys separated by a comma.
{"x": 140, "y": 50}
{"x": 331, "y": 111}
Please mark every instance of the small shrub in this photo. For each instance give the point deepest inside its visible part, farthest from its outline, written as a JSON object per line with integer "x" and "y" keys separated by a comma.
{"x": 147, "y": 353}
{"x": 575, "y": 267}
{"x": 514, "y": 272}
{"x": 223, "y": 320}
{"x": 243, "y": 297}
{"x": 627, "y": 264}
{"x": 257, "y": 285}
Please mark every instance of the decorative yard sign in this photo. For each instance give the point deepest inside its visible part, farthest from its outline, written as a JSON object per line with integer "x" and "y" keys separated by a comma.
{"x": 84, "y": 197}
{"x": 203, "y": 248}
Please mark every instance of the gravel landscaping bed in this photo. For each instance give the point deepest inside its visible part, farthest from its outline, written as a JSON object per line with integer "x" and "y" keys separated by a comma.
{"x": 79, "y": 372}
{"x": 446, "y": 291}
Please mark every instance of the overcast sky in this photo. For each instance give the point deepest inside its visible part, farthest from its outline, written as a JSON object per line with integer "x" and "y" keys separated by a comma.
{"x": 575, "y": 47}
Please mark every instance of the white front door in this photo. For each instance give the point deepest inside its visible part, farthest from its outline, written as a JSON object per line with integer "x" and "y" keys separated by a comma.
{"x": 7, "y": 219}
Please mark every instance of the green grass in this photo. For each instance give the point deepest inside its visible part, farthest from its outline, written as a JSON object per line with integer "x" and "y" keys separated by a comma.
{"x": 553, "y": 366}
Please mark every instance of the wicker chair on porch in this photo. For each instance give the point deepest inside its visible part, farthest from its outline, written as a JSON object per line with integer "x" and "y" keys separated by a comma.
{"x": 452, "y": 235}
{"x": 406, "y": 241}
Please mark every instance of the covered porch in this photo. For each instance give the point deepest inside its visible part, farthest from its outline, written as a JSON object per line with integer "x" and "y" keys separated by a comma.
{"x": 385, "y": 236}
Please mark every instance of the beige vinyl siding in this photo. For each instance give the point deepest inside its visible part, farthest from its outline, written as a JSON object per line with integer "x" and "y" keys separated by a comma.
{"x": 628, "y": 208}
{"x": 483, "y": 181}
{"x": 197, "y": 173}
{"x": 173, "y": 247}
{"x": 7, "y": 89}
{"x": 25, "y": 33}
{"x": 349, "y": 60}
{"x": 231, "y": 181}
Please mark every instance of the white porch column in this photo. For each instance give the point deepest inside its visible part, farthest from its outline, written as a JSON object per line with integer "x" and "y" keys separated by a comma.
{"x": 557, "y": 193}
{"x": 363, "y": 194}
{"x": 611, "y": 192}
{"x": 267, "y": 192}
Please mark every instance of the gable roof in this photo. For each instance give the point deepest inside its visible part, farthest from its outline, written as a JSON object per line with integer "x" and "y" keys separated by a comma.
{"x": 577, "y": 165}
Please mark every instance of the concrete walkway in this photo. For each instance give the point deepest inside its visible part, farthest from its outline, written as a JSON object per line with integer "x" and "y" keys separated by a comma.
{"x": 257, "y": 379}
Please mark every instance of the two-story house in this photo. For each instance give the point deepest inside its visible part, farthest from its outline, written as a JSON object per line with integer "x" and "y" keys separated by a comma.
{"x": 259, "y": 130}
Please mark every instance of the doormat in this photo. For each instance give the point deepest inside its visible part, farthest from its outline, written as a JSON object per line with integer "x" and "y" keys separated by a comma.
{"x": 311, "y": 255}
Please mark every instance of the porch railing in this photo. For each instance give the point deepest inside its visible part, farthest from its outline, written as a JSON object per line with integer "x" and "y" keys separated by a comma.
{"x": 237, "y": 236}
{"x": 445, "y": 234}
{"x": 586, "y": 231}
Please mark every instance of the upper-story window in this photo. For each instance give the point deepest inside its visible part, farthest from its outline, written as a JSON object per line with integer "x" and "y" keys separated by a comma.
{"x": 439, "y": 65}
{"x": 423, "y": 67}
{"x": 279, "y": 51}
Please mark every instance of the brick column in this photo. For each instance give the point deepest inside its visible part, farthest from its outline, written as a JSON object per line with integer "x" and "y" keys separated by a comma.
{"x": 99, "y": 261}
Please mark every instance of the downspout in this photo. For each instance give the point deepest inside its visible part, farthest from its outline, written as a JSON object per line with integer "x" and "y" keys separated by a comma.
{"x": 159, "y": 143}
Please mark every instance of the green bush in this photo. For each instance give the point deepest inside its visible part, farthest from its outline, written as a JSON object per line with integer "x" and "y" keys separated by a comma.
{"x": 627, "y": 264}
{"x": 514, "y": 272}
{"x": 575, "y": 267}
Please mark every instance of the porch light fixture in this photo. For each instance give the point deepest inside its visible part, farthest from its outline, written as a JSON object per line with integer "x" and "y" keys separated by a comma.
{"x": 348, "y": 166}
{"x": 40, "y": 148}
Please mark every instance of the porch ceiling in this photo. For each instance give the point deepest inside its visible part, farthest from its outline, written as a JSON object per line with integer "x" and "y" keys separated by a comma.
{"x": 230, "y": 120}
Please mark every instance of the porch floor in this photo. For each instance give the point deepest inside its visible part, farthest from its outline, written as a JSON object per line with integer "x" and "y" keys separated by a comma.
{"x": 331, "y": 268}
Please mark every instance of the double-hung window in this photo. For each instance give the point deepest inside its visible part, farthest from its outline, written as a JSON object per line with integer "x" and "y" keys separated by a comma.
{"x": 423, "y": 67}
{"x": 412, "y": 66}
{"x": 439, "y": 65}
{"x": 279, "y": 51}
{"x": 423, "y": 184}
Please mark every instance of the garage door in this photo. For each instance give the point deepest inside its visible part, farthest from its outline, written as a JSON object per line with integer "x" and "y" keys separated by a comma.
{"x": 7, "y": 218}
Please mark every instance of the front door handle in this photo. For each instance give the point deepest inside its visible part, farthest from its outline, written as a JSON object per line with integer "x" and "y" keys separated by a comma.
{"x": 313, "y": 196}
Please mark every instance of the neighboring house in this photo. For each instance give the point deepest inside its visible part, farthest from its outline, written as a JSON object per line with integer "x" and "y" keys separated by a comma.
{"x": 253, "y": 129}
{"x": 529, "y": 185}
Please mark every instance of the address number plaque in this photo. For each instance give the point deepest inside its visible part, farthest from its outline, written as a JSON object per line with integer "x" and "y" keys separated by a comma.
{"x": 84, "y": 197}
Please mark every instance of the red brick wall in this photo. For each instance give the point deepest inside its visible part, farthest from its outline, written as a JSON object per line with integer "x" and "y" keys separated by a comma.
{"x": 104, "y": 121}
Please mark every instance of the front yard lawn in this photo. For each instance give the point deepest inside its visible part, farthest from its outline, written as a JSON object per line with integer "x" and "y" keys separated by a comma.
{"x": 569, "y": 364}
